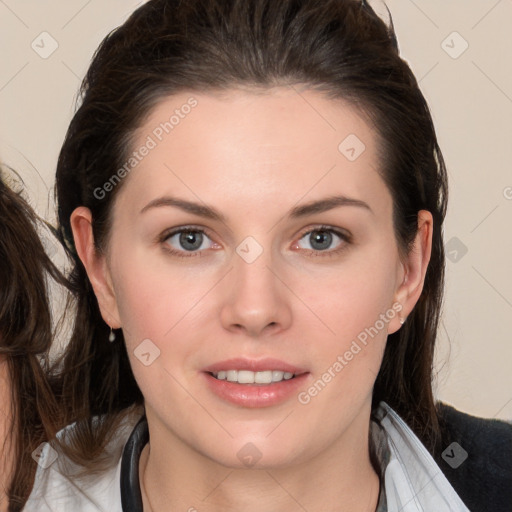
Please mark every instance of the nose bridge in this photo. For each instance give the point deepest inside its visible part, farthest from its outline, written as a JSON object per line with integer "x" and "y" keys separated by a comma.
{"x": 253, "y": 271}
{"x": 257, "y": 296}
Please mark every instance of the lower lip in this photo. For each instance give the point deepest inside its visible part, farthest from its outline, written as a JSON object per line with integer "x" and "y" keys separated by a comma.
{"x": 256, "y": 395}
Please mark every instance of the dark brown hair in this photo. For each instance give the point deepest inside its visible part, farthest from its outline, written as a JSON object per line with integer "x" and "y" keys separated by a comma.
{"x": 339, "y": 47}
{"x": 26, "y": 334}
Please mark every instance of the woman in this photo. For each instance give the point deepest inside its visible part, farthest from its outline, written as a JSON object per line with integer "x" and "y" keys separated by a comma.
{"x": 253, "y": 196}
{"x": 28, "y": 410}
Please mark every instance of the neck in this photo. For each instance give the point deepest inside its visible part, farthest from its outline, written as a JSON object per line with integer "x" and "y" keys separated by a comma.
{"x": 341, "y": 478}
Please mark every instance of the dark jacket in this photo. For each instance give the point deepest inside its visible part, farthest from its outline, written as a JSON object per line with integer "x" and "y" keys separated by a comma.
{"x": 483, "y": 479}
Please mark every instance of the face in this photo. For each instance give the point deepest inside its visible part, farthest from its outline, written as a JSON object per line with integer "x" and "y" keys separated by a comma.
{"x": 217, "y": 253}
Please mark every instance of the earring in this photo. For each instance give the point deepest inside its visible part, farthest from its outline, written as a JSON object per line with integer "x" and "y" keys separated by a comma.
{"x": 402, "y": 321}
{"x": 111, "y": 336}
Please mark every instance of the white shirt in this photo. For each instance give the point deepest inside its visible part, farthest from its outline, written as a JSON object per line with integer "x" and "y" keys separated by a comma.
{"x": 413, "y": 481}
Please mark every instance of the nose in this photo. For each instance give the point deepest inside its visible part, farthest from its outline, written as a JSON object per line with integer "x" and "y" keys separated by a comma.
{"x": 257, "y": 300}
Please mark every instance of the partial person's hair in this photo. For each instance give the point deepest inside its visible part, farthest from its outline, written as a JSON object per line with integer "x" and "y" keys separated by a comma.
{"x": 340, "y": 48}
{"x": 26, "y": 335}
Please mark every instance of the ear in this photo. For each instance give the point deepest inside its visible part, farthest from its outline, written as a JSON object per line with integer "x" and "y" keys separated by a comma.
{"x": 413, "y": 270}
{"x": 95, "y": 265}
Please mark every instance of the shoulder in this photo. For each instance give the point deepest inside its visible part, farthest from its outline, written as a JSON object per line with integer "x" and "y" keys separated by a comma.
{"x": 475, "y": 455}
{"x": 62, "y": 485}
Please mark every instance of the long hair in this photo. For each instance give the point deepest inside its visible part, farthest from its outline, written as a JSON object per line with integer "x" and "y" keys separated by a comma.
{"x": 26, "y": 335}
{"x": 338, "y": 47}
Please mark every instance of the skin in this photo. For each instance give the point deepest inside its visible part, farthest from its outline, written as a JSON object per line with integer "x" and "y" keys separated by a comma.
{"x": 253, "y": 157}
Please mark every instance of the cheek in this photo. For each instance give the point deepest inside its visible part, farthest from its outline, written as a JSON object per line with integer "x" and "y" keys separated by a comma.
{"x": 350, "y": 298}
{"x": 354, "y": 306}
{"x": 151, "y": 295}
{"x": 164, "y": 305}
{"x": 157, "y": 314}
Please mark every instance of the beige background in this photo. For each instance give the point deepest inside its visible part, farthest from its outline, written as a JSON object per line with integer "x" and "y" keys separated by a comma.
{"x": 470, "y": 94}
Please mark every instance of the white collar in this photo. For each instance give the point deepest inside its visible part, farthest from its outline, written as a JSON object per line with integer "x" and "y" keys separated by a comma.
{"x": 413, "y": 481}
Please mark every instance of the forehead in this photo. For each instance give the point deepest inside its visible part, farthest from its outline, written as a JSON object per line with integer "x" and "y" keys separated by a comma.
{"x": 256, "y": 147}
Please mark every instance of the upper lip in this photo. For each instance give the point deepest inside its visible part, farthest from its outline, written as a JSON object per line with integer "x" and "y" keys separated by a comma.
{"x": 260, "y": 365}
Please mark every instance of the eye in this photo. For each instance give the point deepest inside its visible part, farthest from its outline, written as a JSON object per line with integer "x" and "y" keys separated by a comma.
{"x": 322, "y": 238}
{"x": 186, "y": 240}
{"x": 190, "y": 241}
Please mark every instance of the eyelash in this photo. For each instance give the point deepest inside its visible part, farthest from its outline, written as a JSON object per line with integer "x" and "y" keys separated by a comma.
{"x": 344, "y": 236}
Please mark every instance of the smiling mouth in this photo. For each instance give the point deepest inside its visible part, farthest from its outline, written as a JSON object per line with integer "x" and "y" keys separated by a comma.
{"x": 263, "y": 378}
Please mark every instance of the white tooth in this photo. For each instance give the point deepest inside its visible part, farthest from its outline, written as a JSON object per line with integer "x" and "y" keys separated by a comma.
{"x": 249, "y": 377}
{"x": 245, "y": 377}
{"x": 277, "y": 375}
{"x": 263, "y": 377}
{"x": 232, "y": 375}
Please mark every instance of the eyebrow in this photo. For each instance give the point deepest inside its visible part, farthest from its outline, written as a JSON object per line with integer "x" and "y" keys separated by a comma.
{"x": 208, "y": 212}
